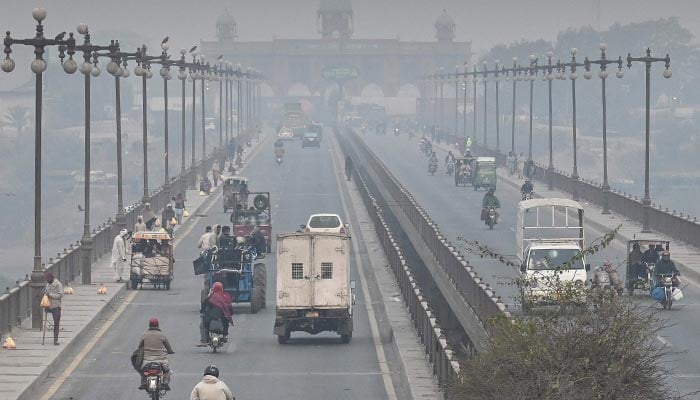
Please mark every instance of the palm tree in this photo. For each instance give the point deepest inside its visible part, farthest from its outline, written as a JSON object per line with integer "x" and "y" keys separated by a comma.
{"x": 18, "y": 116}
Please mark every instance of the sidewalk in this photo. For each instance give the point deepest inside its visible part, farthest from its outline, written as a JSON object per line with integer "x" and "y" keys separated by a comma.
{"x": 26, "y": 369}
{"x": 686, "y": 257}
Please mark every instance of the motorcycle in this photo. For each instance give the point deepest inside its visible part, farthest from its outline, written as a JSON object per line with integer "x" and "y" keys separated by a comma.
{"x": 279, "y": 160}
{"x": 669, "y": 282}
{"x": 490, "y": 217}
{"x": 154, "y": 374}
{"x": 432, "y": 168}
{"x": 606, "y": 282}
{"x": 527, "y": 196}
{"x": 450, "y": 168}
{"x": 216, "y": 335}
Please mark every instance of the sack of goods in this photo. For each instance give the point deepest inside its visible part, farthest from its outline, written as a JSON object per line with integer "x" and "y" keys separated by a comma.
{"x": 676, "y": 294}
{"x": 45, "y": 302}
{"x": 185, "y": 213}
{"x": 658, "y": 294}
{"x": 9, "y": 344}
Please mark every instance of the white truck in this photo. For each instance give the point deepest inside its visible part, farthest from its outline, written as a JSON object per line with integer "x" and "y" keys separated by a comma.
{"x": 550, "y": 238}
{"x": 314, "y": 291}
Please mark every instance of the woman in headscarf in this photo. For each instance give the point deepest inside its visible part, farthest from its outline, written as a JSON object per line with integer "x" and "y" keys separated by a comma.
{"x": 217, "y": 306}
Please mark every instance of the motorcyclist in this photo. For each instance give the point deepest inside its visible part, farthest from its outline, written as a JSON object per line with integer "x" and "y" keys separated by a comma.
{"x": 155, "y": 349}
{"x": 526, "y": 188}
{"x": 449, "y": 157}
{"x": 664, "y": 267}
{"x": 433, "y": 160}
{"x": 210, "y": 387}
{"x": 217, "y": 306}
{"x": 465, "y": 170}
{"x": 279, "y": 150}
{"x": 490, "y": 200}
{"x": 615, "y": 280}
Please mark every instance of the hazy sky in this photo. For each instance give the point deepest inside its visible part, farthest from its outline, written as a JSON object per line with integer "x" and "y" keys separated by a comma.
{"x": 484, "y": 22}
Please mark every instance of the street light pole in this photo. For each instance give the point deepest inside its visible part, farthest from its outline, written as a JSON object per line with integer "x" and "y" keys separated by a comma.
{"x": 464, "y": 116}
{"x": 205, "y": 70}
{"x": 648, "y": 60}
{"x": 531, "y": 76}
{"x": 498, "y": 112}
{"x": 550, "y": 167}
{"x": 474, "y": 81}
{"x": 182, "y": 76}
{"x": 456, "y": 100}
{"x": 486, "y": 120}
{"x": 603, "y": 62}
{"x": 512, "y": 130}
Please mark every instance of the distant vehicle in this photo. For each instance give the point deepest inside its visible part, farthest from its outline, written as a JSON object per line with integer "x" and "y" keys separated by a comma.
{"x": 325, "y": 223}
{"x": 314, "y": 290}
{"x": 152, "y": 260}
{"x": 311, "y": 139}
{"x": 97, "y": 177}
{"x": 285, "y": 133}
{"x": 294, "y": 119}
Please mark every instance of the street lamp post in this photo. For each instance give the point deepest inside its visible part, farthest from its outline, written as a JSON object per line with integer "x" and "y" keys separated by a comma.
{"x": 182, "y": 76}
{"x": 648, "y": 60}
{"x": 516, "y": 74}
{"x": 550, "y": 78}
{"x": 456, "y": 100}
{"x": 603, "y": 62}
{"x": 474, "y": 82}
{"x": 532, "y": 74}
{"x": 435, "y": 103}
{"x": 498, "y": 111}
{"x": 38, "y": 66}
{"x": 573, "y": 76}
{"x": 239, "y": 103}
{"x": 464, "y": 116}
{"x": 442, "y": 106}
{"x": 485, "y": 72}
{"x": 204, "y": 77}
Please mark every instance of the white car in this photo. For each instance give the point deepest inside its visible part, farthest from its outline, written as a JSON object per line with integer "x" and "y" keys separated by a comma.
{"x": 325, "y": 223}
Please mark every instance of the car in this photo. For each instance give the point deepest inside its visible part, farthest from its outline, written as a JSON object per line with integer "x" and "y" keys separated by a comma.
{"x": 285, "y": 134}
{"x": 311, "y": 139}
{"x": 325, "y": 223}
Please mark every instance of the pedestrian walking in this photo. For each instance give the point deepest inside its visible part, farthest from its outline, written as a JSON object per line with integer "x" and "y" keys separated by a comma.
{"x": 167, "y": 216}
{"x": 149, "y": 217}
{"x": 119, "y": 255}
{"x": 179, "y": 207}
{"x": 215, "y": 172}
{"x": 521, "y": 165}
{"x": 54, "y": 291}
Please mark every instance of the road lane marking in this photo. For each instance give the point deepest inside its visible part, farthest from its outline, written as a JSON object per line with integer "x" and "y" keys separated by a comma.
{"x": 60, "y": 381}
{"x": 374, "y": 329}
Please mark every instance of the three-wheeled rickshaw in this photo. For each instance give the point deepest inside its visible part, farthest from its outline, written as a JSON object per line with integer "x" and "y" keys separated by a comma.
{"x": 244, "y": 219}
{"x": 484, "y": 173}
{"x": 151, "y": 260}
{"x": 462, "y": 178}
{"x": 639, "y": 273}
{"x": 231, "y": 191}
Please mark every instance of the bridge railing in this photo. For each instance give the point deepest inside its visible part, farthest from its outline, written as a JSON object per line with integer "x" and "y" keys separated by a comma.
{"x": 442, "y": 358}
{"x": 15, "y": 304}
{"x": 472, "y": 288}
{"x": 676, "y": 225}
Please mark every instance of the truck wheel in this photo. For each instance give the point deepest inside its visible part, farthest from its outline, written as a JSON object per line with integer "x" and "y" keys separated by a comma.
{"x": 167, "y": 284}
{"x": 203, "y": 295}
{"x": 254, "y": 300}
{"x": 346, "y": 338}
{"x": 283, "y": 339}
{"x": 260, "y": 282}
{"x": 134, "y": 284}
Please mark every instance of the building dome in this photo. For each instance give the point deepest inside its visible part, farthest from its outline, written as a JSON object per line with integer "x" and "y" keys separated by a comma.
{"x": 444, "y": 28}
{"x": 226, "y": 27}
{"x": 335, "y": 6}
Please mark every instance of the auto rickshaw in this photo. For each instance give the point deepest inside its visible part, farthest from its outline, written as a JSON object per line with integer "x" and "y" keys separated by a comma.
{"x": 639, "y": 274}
{"x": 151, "y": 260}
{"x": 232, "y": 186}
{"x": 462, "y": 179}
{"x": 484, "y": 173}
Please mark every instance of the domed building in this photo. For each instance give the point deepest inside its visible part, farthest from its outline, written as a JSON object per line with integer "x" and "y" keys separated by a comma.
{"x": 335, "y": 19}
{"x": 226, "y": 27}
{"x": 445, "y": 28}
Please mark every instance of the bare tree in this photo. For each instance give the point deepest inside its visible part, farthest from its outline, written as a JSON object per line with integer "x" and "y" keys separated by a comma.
{"x": 18, "y": 116}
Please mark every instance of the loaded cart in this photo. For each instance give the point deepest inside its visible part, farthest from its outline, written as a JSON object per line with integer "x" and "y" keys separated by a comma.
{"x": 152, "y": 260}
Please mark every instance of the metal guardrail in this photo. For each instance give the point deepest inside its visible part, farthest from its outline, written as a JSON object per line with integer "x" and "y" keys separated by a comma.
{"x": 674, "y": 224}
{"x": 15, "y": 304}
{"x": 442, "y": 358}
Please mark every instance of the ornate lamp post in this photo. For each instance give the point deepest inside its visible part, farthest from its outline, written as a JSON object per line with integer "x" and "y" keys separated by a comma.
{"x": 550, "y": 78}
{"x": 572, "y": 65}
{"x": 648, "y": 60}
{"x": 486, "y": 78}
{"x": 603, "y": 62}
{"x": 38, "y": 66}
{"x": 464, "y": 116}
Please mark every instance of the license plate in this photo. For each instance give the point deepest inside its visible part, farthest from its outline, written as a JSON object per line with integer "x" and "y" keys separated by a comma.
{"x": 312, "y": 314}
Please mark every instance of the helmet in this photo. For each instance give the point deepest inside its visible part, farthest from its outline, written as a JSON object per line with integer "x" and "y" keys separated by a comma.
{"x": 491, "y": 190}
{"x": 153, "y": 322}
{"x": 528, "y": 180}
{"x": 211, "y": 370}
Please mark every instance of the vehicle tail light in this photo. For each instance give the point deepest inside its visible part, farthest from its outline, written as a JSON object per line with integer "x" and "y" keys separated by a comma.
{"x": 342, "y": 230}
{"x": 307, "y": 230}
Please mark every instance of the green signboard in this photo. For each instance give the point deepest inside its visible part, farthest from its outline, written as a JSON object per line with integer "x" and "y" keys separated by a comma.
{"x": 340, "y": 73}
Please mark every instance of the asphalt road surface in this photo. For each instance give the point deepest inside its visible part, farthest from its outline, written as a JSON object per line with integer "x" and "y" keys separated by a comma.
{"x": 253, "y": 364}
{"x": 457, "y": 212}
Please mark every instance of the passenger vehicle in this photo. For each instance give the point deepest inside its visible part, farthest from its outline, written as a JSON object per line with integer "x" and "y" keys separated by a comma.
{"x": 484, "y": 173}
{"x": 311, "y": 139}
{"x": 639, "y": 274}
{"x": 232, "y": 186}
{"x": 325, "y": 223}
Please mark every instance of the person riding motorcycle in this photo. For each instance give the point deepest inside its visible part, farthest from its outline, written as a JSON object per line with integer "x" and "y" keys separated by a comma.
{"x": 155, "y": 349}
{"x": 432, "y": 161}
{"x": 490, "y": 200}
{"x": 279, "y": 151}
{"x": 526, "y": 188}
{"x": 465, "y": 170}
{"x": 210, "y": 387}
{"x": 665, "y": 267}
{"x": 607, "y": 275}
{"x": 651, "y": 256}
{"x": 217, "y": 306}
{"x": 449, "y": 157}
